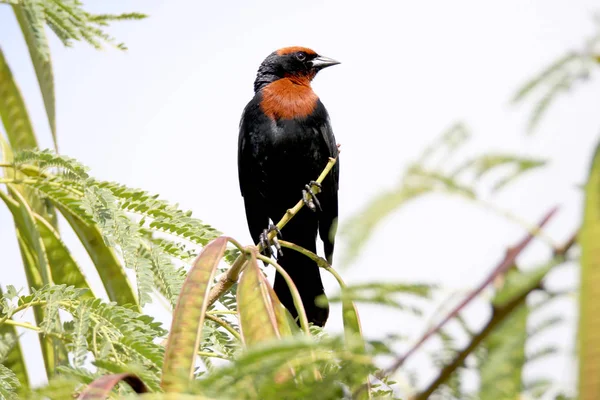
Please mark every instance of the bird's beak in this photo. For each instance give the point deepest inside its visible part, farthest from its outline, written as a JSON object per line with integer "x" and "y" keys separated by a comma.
{"x": 323, "y": 62}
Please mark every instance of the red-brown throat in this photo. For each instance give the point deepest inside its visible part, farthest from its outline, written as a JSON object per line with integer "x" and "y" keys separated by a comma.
{"x": 288, "y": 98}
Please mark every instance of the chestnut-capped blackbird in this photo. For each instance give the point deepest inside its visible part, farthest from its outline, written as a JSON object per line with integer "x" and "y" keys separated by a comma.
{"x": 285, "y": 141}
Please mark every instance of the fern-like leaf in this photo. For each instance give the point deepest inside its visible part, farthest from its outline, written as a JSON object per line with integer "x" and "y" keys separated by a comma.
{"x": 8, "y": 383}
{"x": 81, "y": 328}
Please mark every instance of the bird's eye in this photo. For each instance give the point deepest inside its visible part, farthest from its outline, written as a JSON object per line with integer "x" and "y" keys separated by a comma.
{"x": 301, "y": 56}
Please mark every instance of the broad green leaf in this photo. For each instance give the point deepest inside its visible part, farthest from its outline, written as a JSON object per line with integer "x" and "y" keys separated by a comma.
{"x": 37, "y": 269}
{"x": 13, "y": 112}
{"x": 30, "y": 17}
{"x": 260, "y": 312}
{"x": 14, "y": 360}
{"x": 258, "y": 322}
{"x": 63, "y": 267}
{"x": 352, "y": 329}
{"x": 188, "y": 318}
{"x": 285, "y": 327}
{"x": 25, "y": 222}
{"x": 589, "y": 318}
{"x": 34, "y": 280}
{"x": 285, "y": 322}
{"x": 355, "y": 341}
{"x": 107, "y": 264}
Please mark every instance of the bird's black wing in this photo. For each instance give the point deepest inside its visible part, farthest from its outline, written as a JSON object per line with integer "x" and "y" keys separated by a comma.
{"x": 250, "y": 171}
{"x": 329, "y": 196}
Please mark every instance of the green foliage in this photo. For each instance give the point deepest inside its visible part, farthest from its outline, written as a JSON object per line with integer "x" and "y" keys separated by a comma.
{"x": 13, "y": 112}
{"x": 121, "y": 231}
{"x": 32, "y": 26}
{"x": 252, "y": 375}
{"x": 519, "y": 282}
{"x": 110, "y": 208}
{"x": 589, "y": 320}
{"x": 433, "y": 172}
{"x": 107, "y": 263}
{"x": 70, "y": 22}
{"x": 504, "y": 358}
{"x": 114, "y": 334}
{"x": 186, "y": 329}
{"x": 37, "y": 268}
{"x": 386, "y": 294}
{"x": 165, "y": 217}
{"x": 65, "y": 166}
{"x": 559, "y": 77}
{"x": 59, "y": 388}
{"x": 8, "y": 383}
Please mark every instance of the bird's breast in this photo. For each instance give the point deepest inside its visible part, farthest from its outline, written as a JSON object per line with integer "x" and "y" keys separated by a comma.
{"x": 286, "y": 99}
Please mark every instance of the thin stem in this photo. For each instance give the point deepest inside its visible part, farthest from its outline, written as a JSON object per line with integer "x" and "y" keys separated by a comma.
{"x": 321, "y": 262}
{"x": 225, "y": 325}
{"x": 212, "y": 355}
{"x": 5, "y": 165}
{"x": 21, "y": 308}
{"x": 294, "y": 291}
{"x": 31, "y": 182}
{"x": 220, "y": 312}
{"x": 235, "y": 243}
{"x": 26, "y": 325}
{"x": 34, "y": 328}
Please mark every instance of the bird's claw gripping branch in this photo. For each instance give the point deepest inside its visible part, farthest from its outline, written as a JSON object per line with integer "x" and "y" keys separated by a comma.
{"x": 309, "y": 196}
{"x": 267, "y": 244}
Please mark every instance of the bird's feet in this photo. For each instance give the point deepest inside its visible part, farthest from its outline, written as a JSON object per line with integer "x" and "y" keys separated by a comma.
{"x": 309, "y": 196}
{"x": 267, "y": 244}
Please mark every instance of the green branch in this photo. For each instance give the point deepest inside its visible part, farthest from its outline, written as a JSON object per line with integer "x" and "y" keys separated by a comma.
{"x": 506, "y": 263}
{"x": 321, "y": 262}
{"x": 500, "y": 314}
{"x": 225, "y": 325}
{"x": 499, "y": 270}
{"x": 231, "y": 276}
{"x": 34, "y": 328}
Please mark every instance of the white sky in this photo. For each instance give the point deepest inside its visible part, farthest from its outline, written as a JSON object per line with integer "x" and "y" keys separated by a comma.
{"x": 409, "y": 70}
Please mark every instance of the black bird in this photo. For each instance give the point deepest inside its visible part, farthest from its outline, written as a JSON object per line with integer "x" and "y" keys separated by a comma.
{"x": 285, "y": 141}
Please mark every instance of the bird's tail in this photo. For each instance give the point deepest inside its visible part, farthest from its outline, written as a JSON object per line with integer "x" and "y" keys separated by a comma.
{"x": 307, "y": 278}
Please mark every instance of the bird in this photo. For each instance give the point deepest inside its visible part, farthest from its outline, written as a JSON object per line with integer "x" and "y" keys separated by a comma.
{"x": 285, "y": 141}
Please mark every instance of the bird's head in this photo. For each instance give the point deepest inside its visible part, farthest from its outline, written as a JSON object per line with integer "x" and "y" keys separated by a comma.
{"x": 291, "y": 62}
